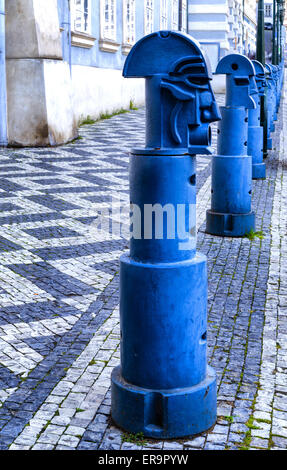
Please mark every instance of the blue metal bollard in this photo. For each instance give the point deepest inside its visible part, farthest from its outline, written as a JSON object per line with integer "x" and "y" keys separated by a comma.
{"x": 164, "y": 388}
{"x": 230, "y": 213}
{"x": 255, "y": 131}
{"x": 271, "y": 103}
{"x": 274, "y": 73}
{"x": 278, "y": 90}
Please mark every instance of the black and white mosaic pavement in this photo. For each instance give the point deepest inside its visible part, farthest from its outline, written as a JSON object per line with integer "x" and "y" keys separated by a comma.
{"x": 59, "y": 326}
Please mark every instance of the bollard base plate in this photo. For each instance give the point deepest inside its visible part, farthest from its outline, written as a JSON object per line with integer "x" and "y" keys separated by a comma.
{"x": 258, "y": 171}
{"x": 164, "y": 414}
{"x": 229, "y": 225}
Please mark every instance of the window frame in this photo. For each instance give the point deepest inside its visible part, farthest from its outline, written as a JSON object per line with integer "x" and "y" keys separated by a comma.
{"x": 163, "y": 24}
{"x": 184, "y": 16}
{"x": 104, "y": 36}
{"x": 148, "y": 6}
{"x": 268, "y": 10}
{"x": 129, "y": 31}
{"x": 174, "y": 13}
{"x": 74, "y": 10}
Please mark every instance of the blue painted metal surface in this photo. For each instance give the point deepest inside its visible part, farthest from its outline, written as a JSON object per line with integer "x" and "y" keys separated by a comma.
{"x": 275, "y": 75}
{"x": 3, "y": 90}
{"x": 164, "y": 387}
{"x": 230, "y": 213}
{"x": 255, "y": 131}
{"x": 271, "y": 103}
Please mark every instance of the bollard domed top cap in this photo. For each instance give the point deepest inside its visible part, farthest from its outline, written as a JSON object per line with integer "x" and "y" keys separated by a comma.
{"x": 260, "y": 77}
{"x": 241, "y": 84}
{"x": 235, "y": 64}
{"x": 269, "y": 72}
{"x": 157, "y": 54}
{"x": 259, "y": 69}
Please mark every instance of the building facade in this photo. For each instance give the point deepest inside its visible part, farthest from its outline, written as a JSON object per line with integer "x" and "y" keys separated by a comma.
{"x": 268, "y": 14}
{"x": 268, "y": 20}
{"x": 64, "y": 61}
{"x": 223, "y": 26}
{"x": 249, "y": 27}
{"x": 102, "y": 34}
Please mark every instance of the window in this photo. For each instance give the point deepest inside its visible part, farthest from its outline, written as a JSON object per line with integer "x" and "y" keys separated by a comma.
{"x": 268, "y": 11}
{"x": 108, "y": 19}
{"x": 163, "y": 14}
{"x": 184, "y": 16}
{"x": 148, "y": 16}
{"x": 174, "y": 15}
{"x": 80, "y": 13}
{"x": 129, "y": 15}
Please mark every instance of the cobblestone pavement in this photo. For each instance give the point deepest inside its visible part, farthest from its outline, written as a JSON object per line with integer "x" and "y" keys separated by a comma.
{"x": 59, "y": 324}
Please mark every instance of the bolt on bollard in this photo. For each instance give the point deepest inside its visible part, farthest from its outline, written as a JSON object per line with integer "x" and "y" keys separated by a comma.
{"x": 255, "y": 130}
{"x": 231, "y": 186}
{"x": 163, "y": 387}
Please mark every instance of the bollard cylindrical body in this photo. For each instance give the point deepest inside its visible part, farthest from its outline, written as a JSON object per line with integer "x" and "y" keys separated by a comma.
{"x": 164, "y": 387}
{"x": 255, "y": 141}
{"x": 232, "y": 131}
{"x": 231, "y": 184}
{"x": 167, "y": 184}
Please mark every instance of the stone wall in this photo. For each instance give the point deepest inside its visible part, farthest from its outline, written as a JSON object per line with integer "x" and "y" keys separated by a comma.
{"x": 39, "y": 95}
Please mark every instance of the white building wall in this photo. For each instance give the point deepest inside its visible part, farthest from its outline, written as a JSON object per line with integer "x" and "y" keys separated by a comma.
{"x": 91, "y": 84}
{"x": 250, "y": 27}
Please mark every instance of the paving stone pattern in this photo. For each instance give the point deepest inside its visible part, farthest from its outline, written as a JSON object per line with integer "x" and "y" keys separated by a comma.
{"x": 59, "y": 322}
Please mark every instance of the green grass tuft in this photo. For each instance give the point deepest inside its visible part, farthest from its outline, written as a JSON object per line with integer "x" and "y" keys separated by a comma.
{"x": 87, "y": 121}
{"x": 252, "y": 234}
{"x": 137, "y": 439}
{"x": 132, "y": 106}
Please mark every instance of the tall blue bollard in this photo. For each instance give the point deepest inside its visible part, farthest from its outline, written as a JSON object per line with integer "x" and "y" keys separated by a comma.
{"x": 271, "y": 104}
{"x": 255, "y": 131}
{"x": 230, "y": 214}
{"x": 278, "y": 90}
{"x": 274, "y": 73}
{"x": 163, "y": 387}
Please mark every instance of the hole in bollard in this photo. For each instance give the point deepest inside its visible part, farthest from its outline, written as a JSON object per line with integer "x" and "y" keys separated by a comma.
{"x": 246, "y": 119}
{"x": 245, "y": 143}
{"x": 204, "y": 336}
{"x": 250, "y": 192}
{"x": 154, "y": 411}
{"x": 192, "y": 180}
{"x": 234, "y": 66}
{"x": 218, "y": 131}
{"x": 212, "y": 191}
{"x": 209, "y": 135}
